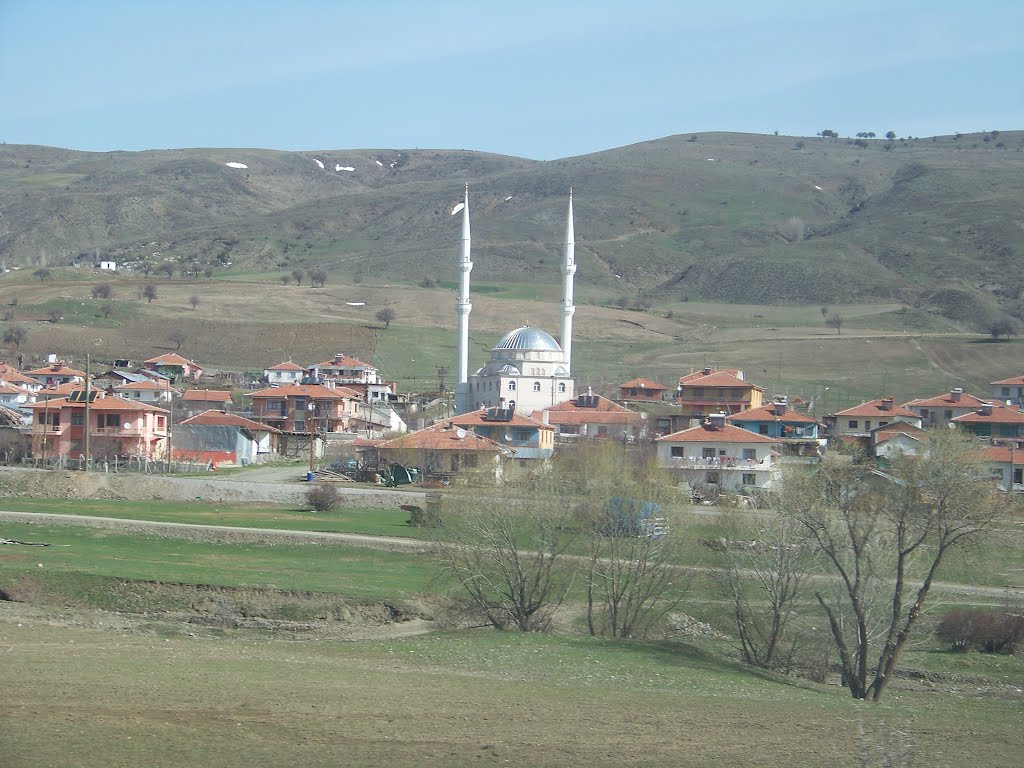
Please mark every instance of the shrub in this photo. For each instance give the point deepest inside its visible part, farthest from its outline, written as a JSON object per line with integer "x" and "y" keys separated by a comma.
{"x": 984, "y": 631}
{"x": 323, "y": 498}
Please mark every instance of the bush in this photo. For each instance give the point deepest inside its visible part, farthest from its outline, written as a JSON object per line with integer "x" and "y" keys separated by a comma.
{"x": 984, "y": 631}
{"x": 422, "y": 518}
{"x": 323, "y": 498}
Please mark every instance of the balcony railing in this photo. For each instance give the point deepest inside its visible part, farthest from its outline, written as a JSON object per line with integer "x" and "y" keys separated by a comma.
{"x": 747, "y": 465}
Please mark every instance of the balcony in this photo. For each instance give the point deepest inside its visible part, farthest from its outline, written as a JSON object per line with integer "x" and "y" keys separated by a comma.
{"x": 746, "y": 465}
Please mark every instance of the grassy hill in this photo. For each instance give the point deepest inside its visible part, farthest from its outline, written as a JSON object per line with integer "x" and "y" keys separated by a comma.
{"x": 930, "y": 223}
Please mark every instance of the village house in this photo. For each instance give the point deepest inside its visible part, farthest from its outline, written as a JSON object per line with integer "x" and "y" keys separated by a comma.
{"x": 942, "y": 409}
{"x": 13, "y": 397}
{"x": 642, "y": 390}
{"x": 1007, "y": 465}
{"x": 151, "y": 391}
{"x": 529, "y": 437}
{"x": 718, "y": 454}
{"x": 355, "y": 375}
{"x": 858, "y": 421}
{"x": 710, "y": 391}
{"x": 994, "y": 421}
{"x": 376, "y": 419}
{"x": 195, "y": 401}
{"x": 223, "y": 438}
{"x": 117, "y": 427}
{"x": 593, "y": 416}
{"x": 13, "y": 376}
{"x": 56, "y": 373}
{"x": 174, "y": 366}
{"x": 443, "y": 449}
{"x": 284, "y": 373}
{"x": 796, "y": 432}
{"x": 1009, "y": 390}
{"x": 300, "y": 407}
{"x": 895, "y": 438}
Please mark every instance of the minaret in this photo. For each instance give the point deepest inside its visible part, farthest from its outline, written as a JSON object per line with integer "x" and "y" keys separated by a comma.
{"x": 568, "y": 270}
{"x": 463, "y": 306}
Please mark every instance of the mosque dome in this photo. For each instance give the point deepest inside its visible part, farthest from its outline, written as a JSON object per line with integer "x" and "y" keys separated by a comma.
{"x": 528, "y": 339}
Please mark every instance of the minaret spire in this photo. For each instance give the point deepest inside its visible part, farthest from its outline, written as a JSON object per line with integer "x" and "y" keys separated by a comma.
{"x": 568, "y": 270}
{"x": 463, "y": 306}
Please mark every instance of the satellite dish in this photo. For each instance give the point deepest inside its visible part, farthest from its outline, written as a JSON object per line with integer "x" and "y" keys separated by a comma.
{"x": 127, "y": 425}
{"x": 460, "y": 433}
{"x": 951, "y": 425}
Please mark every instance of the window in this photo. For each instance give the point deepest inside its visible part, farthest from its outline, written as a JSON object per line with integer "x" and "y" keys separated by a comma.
{"x": 762, "y": 429}
{"x": 602, "y": 430}
{"x": 867, "y": 424}
{"x": 678, "y": 452}
{"x": 711, "y": 478}
{"x": 568, "y": 429}
{"x": 949, "y": 414}
{"x": 522, "y": 435}
{"x": 707, "y": 453}
{"x": 1006, "y": 391}
{"x": 300, "y": 404}
{"x": 77, "y": 418}
{"x": 511, "y": 386}
{"x": 749, "y": 478}
{"x": 536, "y": 386}
{"x": 1018, "y": 475}
{"x": 852, "y": 424}
{"x": 750, "y": 454}
{"x": 698, "y": 392}
{"x": 275, "y": 406}
{"x": 561, "y": 387}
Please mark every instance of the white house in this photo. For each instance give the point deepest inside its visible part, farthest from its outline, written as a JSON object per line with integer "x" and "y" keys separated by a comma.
{"x": 719, "y": 454}
{"x": 284, "y": 373}
{"x": 1007, "y": 463}
{"x": 149, "y": 391}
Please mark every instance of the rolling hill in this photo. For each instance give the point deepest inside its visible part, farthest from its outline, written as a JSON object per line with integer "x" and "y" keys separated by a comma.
{"x": 930, "y": 223}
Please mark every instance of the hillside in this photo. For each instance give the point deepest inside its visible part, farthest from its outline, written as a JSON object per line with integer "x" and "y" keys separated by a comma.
{"x": 930, "y": 223}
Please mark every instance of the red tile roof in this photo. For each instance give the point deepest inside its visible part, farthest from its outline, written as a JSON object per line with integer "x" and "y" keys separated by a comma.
{"x": 769, "y": 413}
{"x": 56, "y": 370}
{"x": 442, "y": 437}
{"x": 476, "y": 419}
{"x": 14, "y": 376}
{"x": 286, "y": 366}
{"x": 947, "y": 400}
{"x": 1001, "y": 414}
{"x": 1001, "y": 454}
{"x": 605, "y": 412}
{"x": 896, "y": 427}
{"x": 159, "y": 384}
{"x": 171, "y": 359}
{"x": 206, "y": 395}
{"x": 99, "y": 404}
{"x": 10, "y": 389}
{"x": 342, "y": 361}
{"x": 315, "y": 391}
{"x": 61, "y": 389}
{"x": 221, "y": 419}
{"x": 873, "y": 408}
{"x": 716, "y": 379}
{"x": 705, "y": 433}
{"x": 1013, "y": 381}
{"x": 642, "y": 383}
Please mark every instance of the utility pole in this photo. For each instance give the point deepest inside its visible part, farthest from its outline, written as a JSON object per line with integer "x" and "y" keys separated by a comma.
{"x": 87, "y": 427}
{"x": 311, "y": 414}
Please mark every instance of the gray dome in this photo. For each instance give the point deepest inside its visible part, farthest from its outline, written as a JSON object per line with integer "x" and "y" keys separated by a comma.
{"x": 527, "y": 338}
{"x": 510, "y": 369}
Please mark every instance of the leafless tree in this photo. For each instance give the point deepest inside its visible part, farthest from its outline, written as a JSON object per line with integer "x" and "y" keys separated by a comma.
{"x": 107, "y": 309}
{"x": 102, "y": 291}
{"x": 149, "y": 293}
{"x": 286, "y": 279}
{"x": 167, "y": 268}
{"x": 177, "y": 336}
{"x": 317, "y": 277}
{"x": 194, "y": 301}
{"x": 297, "y": 276}
{"x": 56, "y": 315}
{"x": 385, "y": 315}
{"x": 16, "y": 335}
{"x": 208, "y": 271}
{"x": 885, "y": 536}
{"x": 835, "y": 321}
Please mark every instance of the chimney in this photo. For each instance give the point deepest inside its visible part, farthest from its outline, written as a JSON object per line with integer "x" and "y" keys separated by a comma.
{"x": 955, "y": 393}
{"x": 706, "y": 371}
{"x": 886, "y": 404}
{"x": 985, "y": 410}
{"x": 781, "y": 405}
{"x": 716, "y": 420}
{"x": 545, "y": 417}
{"x": 338, "y": 358}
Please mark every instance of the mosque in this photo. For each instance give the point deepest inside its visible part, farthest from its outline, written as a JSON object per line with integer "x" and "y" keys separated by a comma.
{"x": 528, "y": 370}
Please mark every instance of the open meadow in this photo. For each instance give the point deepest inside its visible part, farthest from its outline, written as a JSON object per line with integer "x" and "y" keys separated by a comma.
{"x": 124, "y": 647}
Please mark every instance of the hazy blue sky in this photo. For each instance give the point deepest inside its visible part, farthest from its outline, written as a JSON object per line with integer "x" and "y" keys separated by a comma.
{"x": 536, "y": 79}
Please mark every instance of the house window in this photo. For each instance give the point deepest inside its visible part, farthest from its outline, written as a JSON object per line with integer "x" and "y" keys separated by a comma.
{"x": 561, "y": 387}
{"x": 949, "y": 414}
{"x": 602, "y": 430}
{"x": 300, "y": 404}
{"x": 852, "y": 424}
{"x": 867, "y": 425}
{"x": 750, "y": 454}
{"x": 77, "y": 418}
{"x": 1018, "y": 475}
{"x": 275, "y": 406}
{"x": 1006, "y": 391}
{"x": 749, "y": 478}
{"x": 536, "y": 386}
{"x": 161, "y": 422}
{"x": 707, "y": 453}
{"x": 511, "y": 386}
{"x": 522, "y": 435}
{"x": 698, "y": 392}
{"x": 762, "y": 429}
{"x": 678, "y": 452}
{"x": 568, "y": 429}
{"x": 711, "y": 478}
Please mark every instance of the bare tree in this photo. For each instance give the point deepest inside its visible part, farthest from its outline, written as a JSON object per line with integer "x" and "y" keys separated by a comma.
{"x": 286, "y": 279}
{"x": 107, "y": 309}
{"x": 297, "y": 276}
{"x": 178, "y": 336}
{"x": 884, "y": 536}
{"x": 42, "y": 274}
{"x": 208, "y": 271}
{"x": 167, "y": 268}
{"x": 385, "y": 315}
{"x": 16, "y": 335}
{"x": 56, "y": 315}
{"x": 102, "y": 291}
{"x": 149, "y": 293}
{"x": 317, "y": 277}
{"x": 194, "y": 301}
{"x": 835, "y": 321}
{"x": 505, "y": 559}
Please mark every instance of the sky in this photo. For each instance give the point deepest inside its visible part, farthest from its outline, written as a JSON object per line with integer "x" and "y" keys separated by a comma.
{"x": 541, "y": 80}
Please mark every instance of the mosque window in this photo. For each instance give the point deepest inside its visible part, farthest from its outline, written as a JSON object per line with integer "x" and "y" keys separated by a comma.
{"x": 511, "y": 386}
{"x": 536, "y": 386}
{"x": 561, "y": 387}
